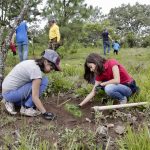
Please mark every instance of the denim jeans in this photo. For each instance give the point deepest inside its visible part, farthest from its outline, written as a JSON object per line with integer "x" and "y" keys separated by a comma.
{"x": 22, "y": 51}
{"x": 105, "y": 45}
{"x": 118, "y": 91}
{"x": 23, "y": 95}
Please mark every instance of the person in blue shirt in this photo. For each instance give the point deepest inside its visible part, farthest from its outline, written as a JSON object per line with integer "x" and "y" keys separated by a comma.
{"x": 116, "y": 47}
{"x": 22, "y": 40}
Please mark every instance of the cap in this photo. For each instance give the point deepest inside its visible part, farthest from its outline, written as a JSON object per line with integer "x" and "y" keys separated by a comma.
{"x": 53, "y": 57}
{"x": 52, "y": 19}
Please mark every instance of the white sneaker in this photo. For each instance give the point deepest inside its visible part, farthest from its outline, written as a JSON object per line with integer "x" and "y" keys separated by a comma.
{"x": 124, "y": 101}
{"x": 9, "y": 107}
{"x": 29, "y": 112}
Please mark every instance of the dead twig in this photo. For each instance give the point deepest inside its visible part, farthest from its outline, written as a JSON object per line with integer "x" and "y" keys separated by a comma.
{"x": 58, "y": 98}
{"x": 64, "y": 102}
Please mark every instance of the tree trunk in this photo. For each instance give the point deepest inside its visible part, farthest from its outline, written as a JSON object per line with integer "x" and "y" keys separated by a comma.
{"x": 5, "y": 46}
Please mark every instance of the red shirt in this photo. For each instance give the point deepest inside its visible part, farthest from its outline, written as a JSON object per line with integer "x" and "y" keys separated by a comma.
{"x": 108, "y": 73}
{"x": 12, "y": 47}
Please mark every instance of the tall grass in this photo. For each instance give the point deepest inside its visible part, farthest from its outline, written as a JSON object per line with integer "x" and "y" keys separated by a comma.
{"x": 134, "y": 140}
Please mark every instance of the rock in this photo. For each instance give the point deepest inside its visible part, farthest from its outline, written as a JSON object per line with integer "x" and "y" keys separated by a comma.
{"x": 120, "y": 129}
{"x": 88, "y": 120}
{"x": 102, "y": 130}
{"x": 111, "y": 125}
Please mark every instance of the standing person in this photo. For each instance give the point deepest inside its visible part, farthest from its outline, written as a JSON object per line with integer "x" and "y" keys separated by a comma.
{"x": 25, "y": 84}
{"x": 111, "y": 77}
{"x": 54, "y": 35}
{"x": 116, "y": 47}
{"x": 106, "y": 42}
{"x": 21, "y": 40}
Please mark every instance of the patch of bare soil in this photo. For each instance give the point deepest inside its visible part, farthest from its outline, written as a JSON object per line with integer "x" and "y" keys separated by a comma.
{"x": 107, "y": 125}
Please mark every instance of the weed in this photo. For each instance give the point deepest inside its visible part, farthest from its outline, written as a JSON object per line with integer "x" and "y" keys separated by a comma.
{"x": 76, "y": 139}
{"x": 74, "y": 110}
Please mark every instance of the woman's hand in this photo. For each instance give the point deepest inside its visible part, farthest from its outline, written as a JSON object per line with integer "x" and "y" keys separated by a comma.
{"x": 49, "y": 116}
{"x": 103, "y": 84}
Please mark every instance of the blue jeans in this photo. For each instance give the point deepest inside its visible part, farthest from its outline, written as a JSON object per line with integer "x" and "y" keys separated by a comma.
{"x": 23, "y": 95}
{"x": 118, "y": 91}
{"x": 22, "y": 51}
{"x": 105, "y": 45}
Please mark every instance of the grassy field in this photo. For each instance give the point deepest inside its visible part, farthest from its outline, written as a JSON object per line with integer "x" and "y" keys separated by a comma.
{"x": 135, "y": 60}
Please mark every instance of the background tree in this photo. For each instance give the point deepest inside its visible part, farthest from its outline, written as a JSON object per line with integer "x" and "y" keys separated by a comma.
{"x": 70, "y": 16}
{"x": 5, "y": 44}
{"x": 131, "y": 22}
{"x": 11, "y": 8}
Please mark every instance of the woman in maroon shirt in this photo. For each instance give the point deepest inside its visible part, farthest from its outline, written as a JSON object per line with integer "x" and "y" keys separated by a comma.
{"x": 110, "y": 76}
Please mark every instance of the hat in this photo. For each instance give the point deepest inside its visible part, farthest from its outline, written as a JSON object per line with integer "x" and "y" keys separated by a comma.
{"x": 52, "y": 19}
{"x": 53, "y": 57}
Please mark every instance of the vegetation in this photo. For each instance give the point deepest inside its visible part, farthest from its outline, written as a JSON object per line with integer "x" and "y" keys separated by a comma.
{"x": 74, "y": 110}
{"x": 81, "y": 27}
{"x": 136, "y": 140}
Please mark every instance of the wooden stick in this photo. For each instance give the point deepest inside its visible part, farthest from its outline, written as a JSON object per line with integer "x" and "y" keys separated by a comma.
{"x": 118, "y": 106}
{"x": 64, "y": 102}
{"x": 58, "y": 98}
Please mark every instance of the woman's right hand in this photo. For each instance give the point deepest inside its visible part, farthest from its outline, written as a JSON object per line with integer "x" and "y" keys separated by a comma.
{"x": 49, "y": 116}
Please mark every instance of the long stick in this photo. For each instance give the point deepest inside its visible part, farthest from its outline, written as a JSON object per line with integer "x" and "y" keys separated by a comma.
{"x": 118, "y": 106}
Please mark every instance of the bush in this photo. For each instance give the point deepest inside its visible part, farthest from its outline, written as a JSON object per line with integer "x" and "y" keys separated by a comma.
{"x": 146, "y": 41}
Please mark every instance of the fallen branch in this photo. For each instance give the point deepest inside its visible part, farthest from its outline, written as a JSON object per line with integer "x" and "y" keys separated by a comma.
{"x": 64, "y": 102}
{"x": 118, "y": 106}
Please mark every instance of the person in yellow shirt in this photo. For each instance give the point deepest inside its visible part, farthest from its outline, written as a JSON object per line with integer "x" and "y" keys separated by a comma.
{"x": 54, "y": 35}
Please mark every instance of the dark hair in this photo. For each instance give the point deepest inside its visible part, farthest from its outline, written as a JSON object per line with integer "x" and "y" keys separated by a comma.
{"x": 98, "y": 61}
{"x": 40, "y": 63}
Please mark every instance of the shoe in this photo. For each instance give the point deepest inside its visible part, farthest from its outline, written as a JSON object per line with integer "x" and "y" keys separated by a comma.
{"x": 29, "y": 112}
{"x": 9, "y": 107}
{"x": 123, "y": 101}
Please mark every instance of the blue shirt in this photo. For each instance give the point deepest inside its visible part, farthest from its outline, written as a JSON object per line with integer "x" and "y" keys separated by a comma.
{"x": 116, "y": 46}
{"x": 21, "y": 33}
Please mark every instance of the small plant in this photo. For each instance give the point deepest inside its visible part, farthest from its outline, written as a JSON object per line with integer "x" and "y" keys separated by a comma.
{"x": 84, "y": 90}
{"x": 59, "y": 83}
{"x": 78, "y": 139}
{"x": 74, "y": 110}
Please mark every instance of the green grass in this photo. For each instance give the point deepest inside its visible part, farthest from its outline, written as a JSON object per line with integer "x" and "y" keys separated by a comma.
{"x": 135, "y": 60}
{"x": 74, "y": 110}
{"x": 136, "y": 140}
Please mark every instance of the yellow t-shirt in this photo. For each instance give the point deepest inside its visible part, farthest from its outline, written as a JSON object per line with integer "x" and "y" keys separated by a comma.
{"x": 54, "y": 32}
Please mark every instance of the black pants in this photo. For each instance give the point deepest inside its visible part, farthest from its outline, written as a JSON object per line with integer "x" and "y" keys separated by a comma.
{"x": 53, "y": 44}
{"x": 116, "y": 52}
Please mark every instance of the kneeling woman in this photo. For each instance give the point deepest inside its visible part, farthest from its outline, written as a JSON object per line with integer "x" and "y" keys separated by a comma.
{"x": 111, "y": 76}
{"x": 25, "y": 83}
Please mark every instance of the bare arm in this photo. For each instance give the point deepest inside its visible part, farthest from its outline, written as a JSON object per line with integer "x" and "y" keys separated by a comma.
{"x": 35, "y": 95}
{"x": 116, "y": 75}
{"x": 13, "y": 38}
{"x": 90, "y": 95}
{"x": 110, "y": 37}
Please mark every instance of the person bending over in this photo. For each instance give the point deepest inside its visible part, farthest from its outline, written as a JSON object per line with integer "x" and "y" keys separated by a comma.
{"x": 110, "y": 76}
{"x": 25, "y": 84}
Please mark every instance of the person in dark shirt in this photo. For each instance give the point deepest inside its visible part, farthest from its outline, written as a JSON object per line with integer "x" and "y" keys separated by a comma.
{"x": 106, "y": 42}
